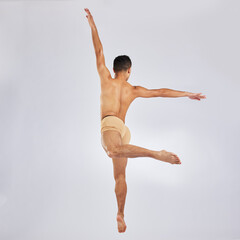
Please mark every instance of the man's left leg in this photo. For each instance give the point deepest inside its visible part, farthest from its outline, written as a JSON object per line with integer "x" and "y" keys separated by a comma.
{"x": 119, "y": 167}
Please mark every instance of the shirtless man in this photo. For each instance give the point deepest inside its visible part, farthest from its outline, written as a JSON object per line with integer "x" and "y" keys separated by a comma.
{"x": 116, "y": 96}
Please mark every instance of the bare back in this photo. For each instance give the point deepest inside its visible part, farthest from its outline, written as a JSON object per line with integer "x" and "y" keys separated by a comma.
{"x": 116, "y": 97}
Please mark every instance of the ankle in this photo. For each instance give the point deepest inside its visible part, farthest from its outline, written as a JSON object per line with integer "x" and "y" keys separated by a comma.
{"x": 121, "y": 214}
{"x": 154, "y": 154}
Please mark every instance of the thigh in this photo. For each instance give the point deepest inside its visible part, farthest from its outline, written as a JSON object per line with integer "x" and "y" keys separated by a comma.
{"x": 119, "y": 167}
{"x": 110, "y": 139}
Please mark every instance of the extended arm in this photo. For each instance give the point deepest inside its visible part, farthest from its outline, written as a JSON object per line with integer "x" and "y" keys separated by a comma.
{"x": 102, "y": 69}
{"x": 95, "y": 37}
{"x": 140, "y": 91}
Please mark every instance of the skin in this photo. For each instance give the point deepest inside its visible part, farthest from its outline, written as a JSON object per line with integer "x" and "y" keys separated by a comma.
{"x": 116, "y": 96}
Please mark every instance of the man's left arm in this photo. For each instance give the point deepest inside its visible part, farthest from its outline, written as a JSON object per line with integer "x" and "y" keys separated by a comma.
{"x": 100, "y": 59}
{"x": 166, "y": 92}
{"x": 140, "y": 91}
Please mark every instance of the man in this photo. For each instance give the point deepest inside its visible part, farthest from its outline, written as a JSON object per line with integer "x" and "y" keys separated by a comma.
{"x": 116, "y": 96}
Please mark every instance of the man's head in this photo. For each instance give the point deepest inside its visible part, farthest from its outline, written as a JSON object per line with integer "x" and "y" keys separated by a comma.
{"x": 122, "y": 66}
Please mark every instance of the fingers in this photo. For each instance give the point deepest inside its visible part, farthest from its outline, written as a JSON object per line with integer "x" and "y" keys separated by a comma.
{"x": 199, "y": 96}
{"x": 202, "y": 96}
{"x": 87, "y": 11}
{"x": 89, "y": 16}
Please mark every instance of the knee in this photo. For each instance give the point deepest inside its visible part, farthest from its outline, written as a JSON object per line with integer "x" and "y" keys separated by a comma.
{"x": 120, "y": 177}
{"x": 113, "y": 151}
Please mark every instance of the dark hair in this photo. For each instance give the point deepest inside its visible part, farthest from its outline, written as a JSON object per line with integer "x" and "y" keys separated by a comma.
{"x": 122, "y": 62}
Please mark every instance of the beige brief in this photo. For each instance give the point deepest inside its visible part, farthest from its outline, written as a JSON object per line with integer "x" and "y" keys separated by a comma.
{"x": 115, "y": 123}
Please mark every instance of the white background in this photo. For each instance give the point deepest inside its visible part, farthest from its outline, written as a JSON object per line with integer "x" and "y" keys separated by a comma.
{"x": 56, "y": 181}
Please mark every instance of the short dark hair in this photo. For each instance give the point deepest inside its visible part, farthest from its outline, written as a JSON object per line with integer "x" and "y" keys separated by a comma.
{"x": 122, "y": 62}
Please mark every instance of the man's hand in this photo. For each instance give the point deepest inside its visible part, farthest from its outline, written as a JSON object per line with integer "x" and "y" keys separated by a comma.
{"x": 90, "y": 18}
{"x": 196, "y": 96}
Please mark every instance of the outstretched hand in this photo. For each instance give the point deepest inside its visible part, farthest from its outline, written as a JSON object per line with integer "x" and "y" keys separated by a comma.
{"x": 89, "y": 17}
{"x": 197, "y": 96}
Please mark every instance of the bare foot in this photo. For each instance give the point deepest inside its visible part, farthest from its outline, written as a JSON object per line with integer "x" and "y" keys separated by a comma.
{"x": 121, "y": 224}
{"x": 165, "y": 156}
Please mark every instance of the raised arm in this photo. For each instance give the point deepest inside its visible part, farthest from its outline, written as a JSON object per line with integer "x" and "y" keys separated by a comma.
{"x": 140, "y": 91}
{"x": 100, "y": 59}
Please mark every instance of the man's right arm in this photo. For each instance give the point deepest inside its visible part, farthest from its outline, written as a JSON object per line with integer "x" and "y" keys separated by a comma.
{"x": 140, "y": 91}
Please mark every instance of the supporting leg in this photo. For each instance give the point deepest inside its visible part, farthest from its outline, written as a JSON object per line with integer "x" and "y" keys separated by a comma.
{"x": 119, "y": 167}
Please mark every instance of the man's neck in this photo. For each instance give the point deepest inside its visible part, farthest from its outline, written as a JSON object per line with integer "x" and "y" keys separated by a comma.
{"x": 120, "y": 77}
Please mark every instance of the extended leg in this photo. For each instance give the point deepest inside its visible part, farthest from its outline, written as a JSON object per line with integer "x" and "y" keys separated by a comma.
{"x": 110, "y": 142}
{"x": 119, "y": 167}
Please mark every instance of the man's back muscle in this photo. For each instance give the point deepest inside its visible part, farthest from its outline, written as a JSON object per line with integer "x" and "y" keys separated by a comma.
{"x": 116, "y": 97}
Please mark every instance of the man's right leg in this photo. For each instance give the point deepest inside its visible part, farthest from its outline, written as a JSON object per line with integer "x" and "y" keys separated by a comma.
{"x": 116, "y": 150}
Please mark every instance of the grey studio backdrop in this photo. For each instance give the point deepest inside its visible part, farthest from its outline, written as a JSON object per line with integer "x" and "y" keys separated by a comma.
{"x": 56, "y": 181}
